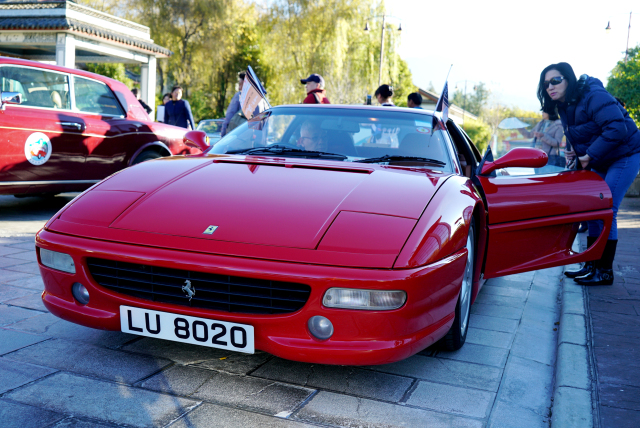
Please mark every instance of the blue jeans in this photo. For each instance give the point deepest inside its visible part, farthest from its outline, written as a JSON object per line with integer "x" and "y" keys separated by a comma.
{"x": 619, "y": 177}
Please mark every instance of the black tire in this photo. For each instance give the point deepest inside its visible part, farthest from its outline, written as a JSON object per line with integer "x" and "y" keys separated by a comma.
{"x": 457, "y": 335}
{"x": 145, "y": 156}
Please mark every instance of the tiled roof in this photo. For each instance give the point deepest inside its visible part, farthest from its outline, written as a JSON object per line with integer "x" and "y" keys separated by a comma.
{"x": 60, "y": 23}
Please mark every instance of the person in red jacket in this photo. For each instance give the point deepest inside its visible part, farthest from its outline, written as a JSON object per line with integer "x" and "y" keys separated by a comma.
{"x": 316, "y": 94}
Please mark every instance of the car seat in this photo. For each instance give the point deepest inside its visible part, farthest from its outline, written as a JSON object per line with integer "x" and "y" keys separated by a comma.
{"x": 56, "y": 99}
{"x": 422, "y": 145}
{"x": 340, "y": 142}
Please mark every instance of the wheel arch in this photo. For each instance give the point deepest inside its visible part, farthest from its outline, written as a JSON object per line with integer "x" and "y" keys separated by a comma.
{"x": 156, "y": 146}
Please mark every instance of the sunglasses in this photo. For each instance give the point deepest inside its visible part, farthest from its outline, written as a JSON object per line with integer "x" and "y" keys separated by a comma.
{"x": 554, "y": 81}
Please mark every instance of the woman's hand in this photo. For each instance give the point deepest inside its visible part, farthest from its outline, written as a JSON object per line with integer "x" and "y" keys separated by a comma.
{"x": 584, "y": 160}
{"x": 569, "y": 155}
{"x": 538, "y": 134}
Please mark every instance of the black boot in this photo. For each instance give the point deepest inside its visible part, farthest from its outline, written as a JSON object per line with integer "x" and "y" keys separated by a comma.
{"x": 588, "y": 266}
{"x": 587, "y": 270}
{"x": 603, "y": 274}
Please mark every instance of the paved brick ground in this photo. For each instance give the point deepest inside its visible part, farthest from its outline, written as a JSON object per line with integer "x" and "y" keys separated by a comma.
{"x": 615, "y": 321}
{"x": 57, "y": 374}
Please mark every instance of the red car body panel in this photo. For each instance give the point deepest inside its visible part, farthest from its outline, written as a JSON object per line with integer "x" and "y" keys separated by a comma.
{"x": 532, "y": 220}
{"x": 86, "y": 147}
{"x": 320, "y": 223}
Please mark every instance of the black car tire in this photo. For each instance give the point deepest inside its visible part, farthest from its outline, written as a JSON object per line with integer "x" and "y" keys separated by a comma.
{"x": 145, "y": 156}
{"x": 457, "y": 335}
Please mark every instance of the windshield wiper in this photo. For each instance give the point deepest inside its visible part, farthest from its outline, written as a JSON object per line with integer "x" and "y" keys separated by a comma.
{"x": 278, "y": 149}
{"x": 390, "y": 158}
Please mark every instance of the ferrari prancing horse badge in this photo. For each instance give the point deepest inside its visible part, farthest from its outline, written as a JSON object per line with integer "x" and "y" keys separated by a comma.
{"x": 210, "y": 230}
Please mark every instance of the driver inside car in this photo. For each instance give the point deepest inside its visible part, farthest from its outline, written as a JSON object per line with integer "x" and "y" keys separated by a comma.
{"x": 312, "y": 137}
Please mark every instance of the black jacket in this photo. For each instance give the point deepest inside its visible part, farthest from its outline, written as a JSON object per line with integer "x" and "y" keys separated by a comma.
{"x": 596, "y": 124}
{"x": 178, "y": 113}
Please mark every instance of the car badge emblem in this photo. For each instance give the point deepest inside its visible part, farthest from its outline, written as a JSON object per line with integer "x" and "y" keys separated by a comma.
{"x": 210, "y": 230}
{"x": 189, "y": 289}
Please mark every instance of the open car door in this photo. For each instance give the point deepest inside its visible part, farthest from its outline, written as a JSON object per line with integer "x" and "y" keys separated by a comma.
{"x": 533, "y": 217}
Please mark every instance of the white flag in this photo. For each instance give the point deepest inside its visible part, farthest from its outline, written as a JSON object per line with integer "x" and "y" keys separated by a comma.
{"x": 252, "y": 97}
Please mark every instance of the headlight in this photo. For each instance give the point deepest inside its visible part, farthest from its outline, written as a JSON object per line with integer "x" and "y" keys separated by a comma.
{"x": 371, "y": 300}
{"x": 58, "y": 261}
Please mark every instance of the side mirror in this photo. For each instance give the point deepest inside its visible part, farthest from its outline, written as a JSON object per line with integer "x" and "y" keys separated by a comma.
{"x": 521, "y": 157}
{"x": 10, "y": 98}
{"x": 196, "y": 139}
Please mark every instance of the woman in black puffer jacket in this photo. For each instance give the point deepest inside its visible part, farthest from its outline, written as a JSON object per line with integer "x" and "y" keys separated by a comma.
{"x": 604, "y": 139}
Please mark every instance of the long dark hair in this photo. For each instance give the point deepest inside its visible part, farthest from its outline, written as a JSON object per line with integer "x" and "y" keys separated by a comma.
{"x": 546, "y": 103}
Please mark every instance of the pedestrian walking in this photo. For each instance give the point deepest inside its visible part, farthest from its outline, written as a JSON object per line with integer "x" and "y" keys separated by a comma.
{"x": 604, "y": 139}
{"x": 178, "y": 111}
{"x": 547, "y": 136}
{"x": 383, "y": 94}
{"x": 136, "y": 93}
{"x": 314, "y": 84}
{"x": 414, "y": 100}
{"x": 234, "y": 106}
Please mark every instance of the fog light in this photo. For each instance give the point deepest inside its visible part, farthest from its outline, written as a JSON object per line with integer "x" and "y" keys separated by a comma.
{"x": 371, "y": 300}
{"x": 58, "y": 261}
{"x": 80, "y": 293}
{"x": 320, "y": 327}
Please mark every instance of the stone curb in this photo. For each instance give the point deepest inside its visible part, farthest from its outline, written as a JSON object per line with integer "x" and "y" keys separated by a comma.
{"x": 572, "y": 403}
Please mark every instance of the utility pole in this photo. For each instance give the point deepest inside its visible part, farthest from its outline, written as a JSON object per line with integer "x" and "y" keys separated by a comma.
{"x": 626, "y": 52}
{"x": 384, "y": 17}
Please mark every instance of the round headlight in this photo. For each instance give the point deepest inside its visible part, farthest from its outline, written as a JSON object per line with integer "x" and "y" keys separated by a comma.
{"x": 320, "y": 327}
{"x": 80, "y": 293}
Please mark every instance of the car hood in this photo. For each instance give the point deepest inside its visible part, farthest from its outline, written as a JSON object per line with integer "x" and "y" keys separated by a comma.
{"x": 261, "y": 201}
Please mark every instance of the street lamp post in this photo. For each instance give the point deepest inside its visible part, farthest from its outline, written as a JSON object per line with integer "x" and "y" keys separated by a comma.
{"x": 384, "y": 21}
{"x": 464, "y": 104}
{"x": 626, "y": 52}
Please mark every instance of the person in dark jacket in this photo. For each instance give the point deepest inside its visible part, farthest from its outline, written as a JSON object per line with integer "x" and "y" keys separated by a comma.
{"x": 604, "y": 139}
{"x": 414, "y": 100}
{"x": 314, "y": 86}
{"x": 178, "y": 111}
{"x": 136, "y": 93}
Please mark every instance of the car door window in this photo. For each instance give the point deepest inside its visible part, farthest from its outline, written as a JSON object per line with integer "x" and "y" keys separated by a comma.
{"x": 95, "y": 97}
{"x": 39, "y": 88}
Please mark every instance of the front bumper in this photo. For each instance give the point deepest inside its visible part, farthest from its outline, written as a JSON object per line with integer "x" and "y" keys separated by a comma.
{"x": 361, "y": 337}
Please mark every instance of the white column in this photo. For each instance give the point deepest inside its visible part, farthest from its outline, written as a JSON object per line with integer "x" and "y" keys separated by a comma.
{"x": 148, "y": 83}
{"x": 65, "y": 50}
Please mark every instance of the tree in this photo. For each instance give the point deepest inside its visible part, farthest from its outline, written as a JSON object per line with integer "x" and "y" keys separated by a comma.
{"x": 624, "y": 82}
{"x": 479, "y": 132}
{"x": 113, "y": 70}
{"x": 283, "y": 41}
{"x": 301, "y": 37}
{"x": 475, "y": 101}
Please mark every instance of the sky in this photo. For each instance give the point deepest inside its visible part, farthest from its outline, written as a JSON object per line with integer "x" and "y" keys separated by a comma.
{"x": 506, "y": 44}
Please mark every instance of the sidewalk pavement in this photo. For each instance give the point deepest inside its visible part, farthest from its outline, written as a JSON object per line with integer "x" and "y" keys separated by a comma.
{"x": 614, "y": 317}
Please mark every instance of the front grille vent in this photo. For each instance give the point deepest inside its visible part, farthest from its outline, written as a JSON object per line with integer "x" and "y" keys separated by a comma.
{"x": 217, "y": 292}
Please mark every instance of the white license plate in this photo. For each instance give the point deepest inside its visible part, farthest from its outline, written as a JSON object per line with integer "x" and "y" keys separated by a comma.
{"x": 186, "y": 329}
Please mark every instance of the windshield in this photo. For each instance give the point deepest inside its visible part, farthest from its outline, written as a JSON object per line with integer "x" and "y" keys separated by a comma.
{"x": 210, "y": 126}
{"x": 359, "y": 135}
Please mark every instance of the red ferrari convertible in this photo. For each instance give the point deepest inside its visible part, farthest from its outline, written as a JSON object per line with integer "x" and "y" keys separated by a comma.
{"x": 327, "y": 234}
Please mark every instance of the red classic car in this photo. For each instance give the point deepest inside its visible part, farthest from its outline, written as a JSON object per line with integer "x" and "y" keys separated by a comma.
{"x": 63, "y": 129}
{"x": 328, "y": 234}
